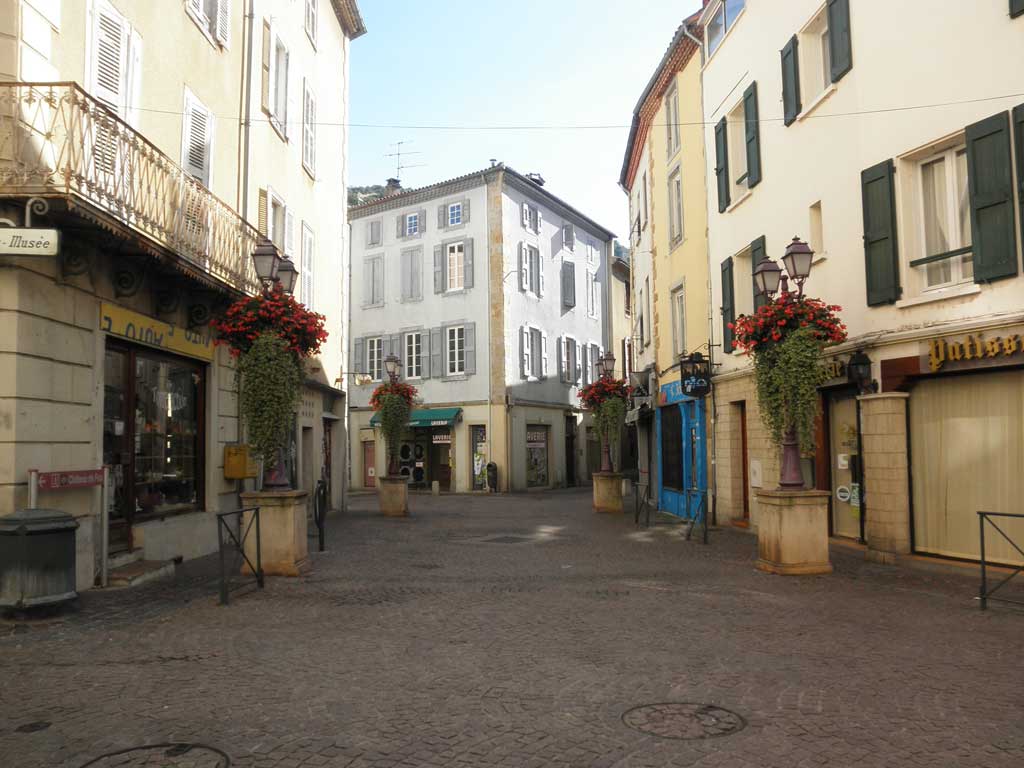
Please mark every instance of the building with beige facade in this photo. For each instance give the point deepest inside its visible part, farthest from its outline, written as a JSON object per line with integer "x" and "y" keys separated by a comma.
{"x": 161, "y": 146}
{"x": 493, "y": 293}
{"x": 663, "y": 174}
{"x": 903, "y": 169}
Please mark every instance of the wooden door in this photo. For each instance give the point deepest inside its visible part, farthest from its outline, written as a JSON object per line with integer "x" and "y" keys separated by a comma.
{"x": 745, "y": 462}
{"x": 369, "y": 464}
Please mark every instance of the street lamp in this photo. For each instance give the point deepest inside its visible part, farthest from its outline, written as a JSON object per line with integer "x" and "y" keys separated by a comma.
{"x": 798, "y": 259}
{"x": 767, "y": 275}
{"x": 858, "y": 372}
{"x": 287, "y": 274}
{"x": 606, "y": 363}
{"x": 267, "y": 260}
{"x": 392, "y": 365}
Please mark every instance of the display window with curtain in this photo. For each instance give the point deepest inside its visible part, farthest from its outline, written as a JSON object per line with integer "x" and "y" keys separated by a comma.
{"x": 153, "y": 436}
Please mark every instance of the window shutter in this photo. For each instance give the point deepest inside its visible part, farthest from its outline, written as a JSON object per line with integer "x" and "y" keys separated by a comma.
{"x": 1018, "y": 133}
{"x": 261, "y": 213}
{"x": 524, "y": 269}
{"x": 392, "y": 345}
{"x": 416, "y": 274}
{"x": 422, "y": 221}
{"x": 990, "y": 184}
{"x": 728, "y": 306}
{"x": 469, "y": 348}
{"x": 561, "y": 359}
{"x": 467, "y": 263}
{"x": 425, "y": 355}
{"x": 839, "y": 40}
{"x": 1016, "y": 8}
{"x": 268, "y": 46}
{"x": 790, "y": 81}
{"x": 110, "y": 57}
{"x": 540, "y": 221}
{"x": 442, "y": 217}
{"x": 308, "y": 127}
{"x": 436, "y": 356}
{"x": 308, "y": 253}
{"x": 540, "y": 272}
{"x": 526, "y": 214}
{"x": 370, "y": 236}
{"x": 758, "y": 253}
{"x": 378, "y": 281}
{"x": 196, "y": 139}
{"x": 585, "y": 363}
{"x": 881, "y": 247}
{"x": 438, "y": 269}
{"x": 543, "y": 354}
{"x": 406, "y": 279}
{"x": 524, "y": 351}
{"x": 722, "y": 164}
{"x": 577, "y": 369}
{"x": 465, "y": 211}
{"x": 360, "y": 355}
{"x": 400, "y": 226}
{"x": 568, "y": 284}
{"x": 222, "y": 26}
{"x": 752, "y": 133}
{"x": 289, "y": 233}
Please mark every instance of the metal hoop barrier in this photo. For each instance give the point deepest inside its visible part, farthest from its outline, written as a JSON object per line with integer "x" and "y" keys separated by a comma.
{"x": 320, "y": 510}
{"x": 984, "y": 593}
{"x": 233, "y": 539}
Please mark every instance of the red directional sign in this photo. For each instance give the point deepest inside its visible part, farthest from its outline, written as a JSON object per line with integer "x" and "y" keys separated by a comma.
{"x": 76, "y": 478}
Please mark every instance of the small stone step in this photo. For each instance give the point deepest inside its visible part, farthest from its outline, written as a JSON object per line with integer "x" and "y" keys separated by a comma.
{"x": 139, "y": 572}
{"x": 124, "y": 558}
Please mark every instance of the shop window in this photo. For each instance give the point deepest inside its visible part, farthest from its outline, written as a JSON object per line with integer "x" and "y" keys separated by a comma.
{"x": 672, "y": 448}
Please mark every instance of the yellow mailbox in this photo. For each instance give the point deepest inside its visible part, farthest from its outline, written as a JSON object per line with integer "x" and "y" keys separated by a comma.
{"x": 238, "y": 462}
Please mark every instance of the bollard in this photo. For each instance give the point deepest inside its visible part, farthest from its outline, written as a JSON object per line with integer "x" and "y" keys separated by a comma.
{"x": 435, "y": 488}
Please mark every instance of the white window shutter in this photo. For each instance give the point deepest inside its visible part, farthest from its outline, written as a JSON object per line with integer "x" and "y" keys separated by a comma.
{"x": 524, "y": 349}
{"x": 308, "y": 127}
{"x": 524, "y": 268}
{"x": 544, "y": 354}
{"x": 526, "y": 215}
{"x": 585, "y": 364}
{"x": 134, "y": 79}
{"x": 222, "y": 25}
{"x": 579, "y": 369}
{"x": 197, "y": 139}
{"x": 289, "y": 234}
{"x": 540, "y": 274}
{"x": 540, "y": 220}
{"x": 109, "y": 57}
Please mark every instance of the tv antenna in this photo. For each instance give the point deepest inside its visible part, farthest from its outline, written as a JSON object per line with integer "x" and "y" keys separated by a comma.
{"x": 398, "y": 154}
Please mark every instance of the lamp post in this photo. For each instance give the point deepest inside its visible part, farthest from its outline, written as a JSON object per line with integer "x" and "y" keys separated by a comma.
{"x": 769, "y": 279}
{"x": 392, "y": 365}
{"x": 272, "y": 269}
{"x": 606, "y": 364}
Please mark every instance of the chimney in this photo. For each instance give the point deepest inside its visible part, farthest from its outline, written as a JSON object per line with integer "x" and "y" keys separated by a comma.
{"x": 536, "y": 178}
{"x": 394, "y": 186}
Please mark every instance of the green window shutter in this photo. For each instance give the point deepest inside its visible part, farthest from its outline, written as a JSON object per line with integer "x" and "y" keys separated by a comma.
{"x": 758, "y": 253}
{"x": 1018, "y": 133}
{"x": 881, "y": 249}
{"x": 753, "y": 136}
{"x": 1016, "y": 8}
{"x": 728, "y": 306}
{"x": 990, "y": 185}
{"x": 722, "y": 164}
{"x": 839, "y": 42}
{"x": 791, "y": 81}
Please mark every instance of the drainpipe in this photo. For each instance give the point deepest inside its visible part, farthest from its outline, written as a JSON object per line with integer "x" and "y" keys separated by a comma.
{"x": 711, "y": 308}
{"x": 245, "y": 123}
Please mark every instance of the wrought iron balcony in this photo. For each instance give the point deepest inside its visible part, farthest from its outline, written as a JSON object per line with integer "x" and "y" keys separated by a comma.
{"x": 57, "y": 141}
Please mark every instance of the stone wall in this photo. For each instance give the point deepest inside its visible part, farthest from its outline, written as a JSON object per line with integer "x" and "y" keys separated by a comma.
{"x": 886, "y": 474}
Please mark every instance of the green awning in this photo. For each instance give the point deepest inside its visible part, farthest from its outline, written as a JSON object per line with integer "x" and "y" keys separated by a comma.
{"x": 428, "y": 417}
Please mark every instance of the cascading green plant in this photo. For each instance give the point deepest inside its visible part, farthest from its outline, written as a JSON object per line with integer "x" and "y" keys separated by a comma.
{"x": 788, "y": 376}
{"x": 269, "y": 388}
{"x": 394, "y": 417}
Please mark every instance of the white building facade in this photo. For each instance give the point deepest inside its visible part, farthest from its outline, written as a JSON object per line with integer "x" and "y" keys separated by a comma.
{"x": 903, "y": 169}
{"x": 492, "y": 292}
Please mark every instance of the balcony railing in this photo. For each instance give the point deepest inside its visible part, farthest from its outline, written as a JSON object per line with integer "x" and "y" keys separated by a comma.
{"x": 57, "y": 140}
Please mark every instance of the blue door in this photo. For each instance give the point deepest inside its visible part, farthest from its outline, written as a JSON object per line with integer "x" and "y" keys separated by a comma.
{"x": 682, "y": 454}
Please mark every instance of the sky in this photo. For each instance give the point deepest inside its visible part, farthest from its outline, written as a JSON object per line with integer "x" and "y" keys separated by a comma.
{"x": 465, "y": 81}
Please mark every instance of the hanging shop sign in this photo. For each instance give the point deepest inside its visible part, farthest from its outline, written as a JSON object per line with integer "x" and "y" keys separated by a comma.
{"x": 76, "y": 478}
{"x": 442, "y": 438}
{"x": 975, "y": 350}
{"x": 121, "y": 322}
{"x": 21, "y": 241}
{"x": 536, "y": 438}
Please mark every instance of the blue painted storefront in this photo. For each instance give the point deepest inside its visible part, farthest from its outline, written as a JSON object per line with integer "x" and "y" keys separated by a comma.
{"x": 689, "y": 500}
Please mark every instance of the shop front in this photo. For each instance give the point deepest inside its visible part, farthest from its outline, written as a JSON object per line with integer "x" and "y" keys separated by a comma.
{"x": 427, "y": 452}
{"x": 681, "y": 453}
{"x": 537, "y": 469}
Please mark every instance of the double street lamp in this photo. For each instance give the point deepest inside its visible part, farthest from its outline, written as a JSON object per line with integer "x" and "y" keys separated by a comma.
{"x": 606, "y": 366}
{"x": 272, "y": 269}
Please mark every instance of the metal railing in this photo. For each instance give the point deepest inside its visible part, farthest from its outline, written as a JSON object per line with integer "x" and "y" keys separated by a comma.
{"x": 58, "y": 141}
{"x": 234, "y": 539}
{"x": 984, "y": 593}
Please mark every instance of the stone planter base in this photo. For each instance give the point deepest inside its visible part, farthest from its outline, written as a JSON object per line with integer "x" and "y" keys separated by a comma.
{"x": 792, "y": 532}
{"x": 283, "y": 544}
{"x": 608, "y": 492}
{"x": 393, "y": 495}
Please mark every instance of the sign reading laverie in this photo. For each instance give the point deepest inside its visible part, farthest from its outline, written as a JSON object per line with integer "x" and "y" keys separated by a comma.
{"x": 19, "y": 241}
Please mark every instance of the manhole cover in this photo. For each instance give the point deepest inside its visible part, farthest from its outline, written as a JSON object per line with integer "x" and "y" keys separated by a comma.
{"x": 684, "y": 721}
{"x": 506, "y": 540}
{"x": 163, "y": 756}
{"x": 40, "y": 725}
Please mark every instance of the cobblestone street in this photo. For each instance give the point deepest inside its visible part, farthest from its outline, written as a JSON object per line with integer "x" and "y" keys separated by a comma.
{"x": 523, "y": 631}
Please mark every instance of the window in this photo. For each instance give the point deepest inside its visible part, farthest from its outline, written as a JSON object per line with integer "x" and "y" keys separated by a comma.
{"x": 570, "y": 355}
{"x": 306, "y": 266}
{"x": 628, "y": 300}
{"x": 646, "y": 297}
{"x": 672, "y": 121}
{"x": 643, "y": 199}
{"x": 274, "y": 67}
{"x": 820, "y": 55}
{"x": 945, "y": 216}
{"x": 568, "y": 284}
{"x": 197, "y": 139}
{"x": 114, "y": 72}
{"x": 627, "y": 357}
{"x": 531, "y": 270}
{"x": 531, "y": 217}
{"x": 310, "y": 21}
{"x": 412, "y": 224}
{"x": 456, "y": 268}
{"x": 721, "y": 22}
{"x": 456, "y": 350}
{"x": 373, "y": 286}
{"x": 737, "y": 151}
{"x": 816, "y": 230}
{"x": 373, "y": 233}
{"x": 454, "y": 214}
{"x": 414, "y": 355}
{"x": 569, "y": 237}
{"x": 280, "y": 222}
{"x": 534, "y": 344}
{"x": 592, "y": 251}
{"x": 679, "y": 321}
{"x": 375, "y": 357}
{"x": 675, "y": 206}
{"x": 412, "y": 274}
{"x": 815, "y": 57}
{"x": 593, "y": 289}
{"x": 308, "y": 130}
{"x": 213, "y": 17}
{"x": 641, "y": 319}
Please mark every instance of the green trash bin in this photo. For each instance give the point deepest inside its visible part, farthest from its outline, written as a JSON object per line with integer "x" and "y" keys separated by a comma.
{"x": 37, "y": 558}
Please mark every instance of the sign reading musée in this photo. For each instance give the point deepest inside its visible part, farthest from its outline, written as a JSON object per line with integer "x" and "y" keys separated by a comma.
{"x": 154, "y": 437}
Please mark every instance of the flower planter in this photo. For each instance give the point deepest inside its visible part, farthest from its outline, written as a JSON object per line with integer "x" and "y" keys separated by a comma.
{"x": 393, "y": 496}
{"x": 792, "y": 532}
{"x": 284, "y": 549}
{"x": 608, "y": 492}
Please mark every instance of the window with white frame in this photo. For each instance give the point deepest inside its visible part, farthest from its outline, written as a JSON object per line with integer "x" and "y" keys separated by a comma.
{"x": 736, "y": 125}
{"x": 675, "y": 206}
{"x": 454, "y": 214}
{"x": 278, "y": 223}
{"x": 571, "y": 371}
{"x": 456, "y": 350}
{"x": 307, "y": 266}
{"x": 721, "y": 22}
{"x": 815, "y": 58}
{"x": 945, "y": 216}
{"x": 311, "y": 21}
{"x": 414, "y": 355}
{"x": 373, "y": 232}
{"x": 412, "y": 224}
{"x": 643, "y": 199}
{"x": 375, "y": 357}
{"x": 213, "y": 17}
{"x": 593, "y": 249}
{"x": 534, "y": 352}
{"x": 197, "y": 138}
{"x": 679, "y": 321}
{"x": 274, "y": 66}
{"x": 114, "y": 76}
{"x": 456, "y": 255}
{"x": 531, "y": 270}
{"x": 308, "y": 129}
{"x": 593, "y": 293}
{"x": 672, "y": 121}
{"x": 532, "y": 218}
